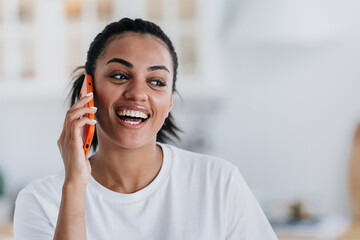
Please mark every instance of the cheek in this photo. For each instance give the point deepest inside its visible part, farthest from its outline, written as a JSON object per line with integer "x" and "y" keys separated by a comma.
{"x": 103, "y": 101}
{"x": 163, "y": 105}
{"x": 99, "y": 100}
{"x": 104, "y": 94}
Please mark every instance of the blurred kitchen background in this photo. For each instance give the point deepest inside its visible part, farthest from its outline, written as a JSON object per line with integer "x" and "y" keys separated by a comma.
{"x": 272, "y": 86}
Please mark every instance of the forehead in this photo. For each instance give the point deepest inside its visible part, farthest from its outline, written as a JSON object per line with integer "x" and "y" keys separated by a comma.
{"x": 138, "y": 49}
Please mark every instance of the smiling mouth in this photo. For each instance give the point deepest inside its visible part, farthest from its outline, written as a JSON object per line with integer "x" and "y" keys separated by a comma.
{"x": 132, "y": 117}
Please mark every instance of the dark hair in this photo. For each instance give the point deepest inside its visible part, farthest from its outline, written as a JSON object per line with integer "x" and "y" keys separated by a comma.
{"x": 169, "y": 130}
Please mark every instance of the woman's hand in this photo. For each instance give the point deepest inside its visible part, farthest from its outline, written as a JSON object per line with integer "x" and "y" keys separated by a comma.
{"x": 70, "y": 143}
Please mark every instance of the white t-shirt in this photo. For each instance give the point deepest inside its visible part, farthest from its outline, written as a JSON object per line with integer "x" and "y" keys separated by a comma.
{"x": 193, "y": 197}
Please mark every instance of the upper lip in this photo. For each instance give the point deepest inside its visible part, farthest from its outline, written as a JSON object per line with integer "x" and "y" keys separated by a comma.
{"x": 132, "y": 107}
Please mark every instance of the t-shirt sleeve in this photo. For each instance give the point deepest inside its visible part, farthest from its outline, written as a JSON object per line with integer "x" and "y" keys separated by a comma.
{"x": 30, "y": 219}
{"x": 245, "y": 218}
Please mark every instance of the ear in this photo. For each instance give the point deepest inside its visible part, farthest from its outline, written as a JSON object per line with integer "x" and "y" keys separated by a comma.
{"x": 171, "y": 103}
{"x": 170, "y": 107}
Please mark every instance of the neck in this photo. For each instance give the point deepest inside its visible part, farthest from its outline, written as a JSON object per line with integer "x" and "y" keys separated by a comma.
{"x": 126, "y": 170}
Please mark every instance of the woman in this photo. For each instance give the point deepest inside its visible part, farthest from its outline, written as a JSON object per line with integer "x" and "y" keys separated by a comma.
{"x": 133, "y": 186}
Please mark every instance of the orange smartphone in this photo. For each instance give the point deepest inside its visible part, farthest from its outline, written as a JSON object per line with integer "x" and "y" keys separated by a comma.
{"x": 88, "y": 130}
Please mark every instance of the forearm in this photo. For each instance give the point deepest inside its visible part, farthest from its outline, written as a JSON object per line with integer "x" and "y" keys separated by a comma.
{"x": 71, "y": 218}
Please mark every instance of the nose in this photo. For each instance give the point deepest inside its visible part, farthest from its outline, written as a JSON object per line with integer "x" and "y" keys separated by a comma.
{"x": 136, "y": 91}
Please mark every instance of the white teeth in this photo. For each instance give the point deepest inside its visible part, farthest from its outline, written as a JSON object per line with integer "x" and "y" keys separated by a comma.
{"x": 132, "y": 123}
{"x": 132, "y": 113}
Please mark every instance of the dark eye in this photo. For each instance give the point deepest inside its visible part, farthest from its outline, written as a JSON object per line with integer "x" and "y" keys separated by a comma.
{"x": 119, "y": 76}
{"x": 158, "y": 83}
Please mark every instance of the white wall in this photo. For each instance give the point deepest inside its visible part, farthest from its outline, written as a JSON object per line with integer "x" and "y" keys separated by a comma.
{"x": 291, "y": 69}
{"x": 30, "y": 127}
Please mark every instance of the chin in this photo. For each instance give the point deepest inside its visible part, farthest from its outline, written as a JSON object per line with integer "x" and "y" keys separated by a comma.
{"x": 135, "y": 143}
{"x": 126, "y": 139}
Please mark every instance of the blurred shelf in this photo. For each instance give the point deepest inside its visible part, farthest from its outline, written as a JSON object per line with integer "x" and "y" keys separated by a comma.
{"x": 327, "y": 227}
{"x": 6, "y": 231}
{"x": 77, "y": 25}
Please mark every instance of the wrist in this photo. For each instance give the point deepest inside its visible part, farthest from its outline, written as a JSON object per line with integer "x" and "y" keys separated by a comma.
{"x": 74, "y": 187}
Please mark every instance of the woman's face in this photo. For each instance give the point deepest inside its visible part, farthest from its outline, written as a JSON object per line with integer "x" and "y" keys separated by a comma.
{"x": 133, "y": 90}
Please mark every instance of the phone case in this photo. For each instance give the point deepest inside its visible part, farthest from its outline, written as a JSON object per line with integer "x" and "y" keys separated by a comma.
{"x": 88, "y": 130}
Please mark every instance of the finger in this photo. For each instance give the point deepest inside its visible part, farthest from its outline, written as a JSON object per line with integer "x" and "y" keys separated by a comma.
{"x": 80, "y": 112}
{"x": 74, "y": 115}
{"x": 77, "y": 127}
{"x": 82, "y": 101}
{"x": 77, "y": 114}
{"x": 79, "y": 104}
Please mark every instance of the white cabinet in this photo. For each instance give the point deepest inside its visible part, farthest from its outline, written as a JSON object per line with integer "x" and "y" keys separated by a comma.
{"x": 42, "y": 41}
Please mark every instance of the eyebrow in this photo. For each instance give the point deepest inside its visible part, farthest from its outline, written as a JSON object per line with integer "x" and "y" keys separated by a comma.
{"x": 121, "y": 61}
{"x": 157, "y": 67}
{"x": 129, "y": 65}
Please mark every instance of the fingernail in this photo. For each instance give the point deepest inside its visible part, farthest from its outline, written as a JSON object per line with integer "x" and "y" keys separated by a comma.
{"x": 93, "y": 120}
{"x": 93, "y": 108}
{"x": 89, "y": 94}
